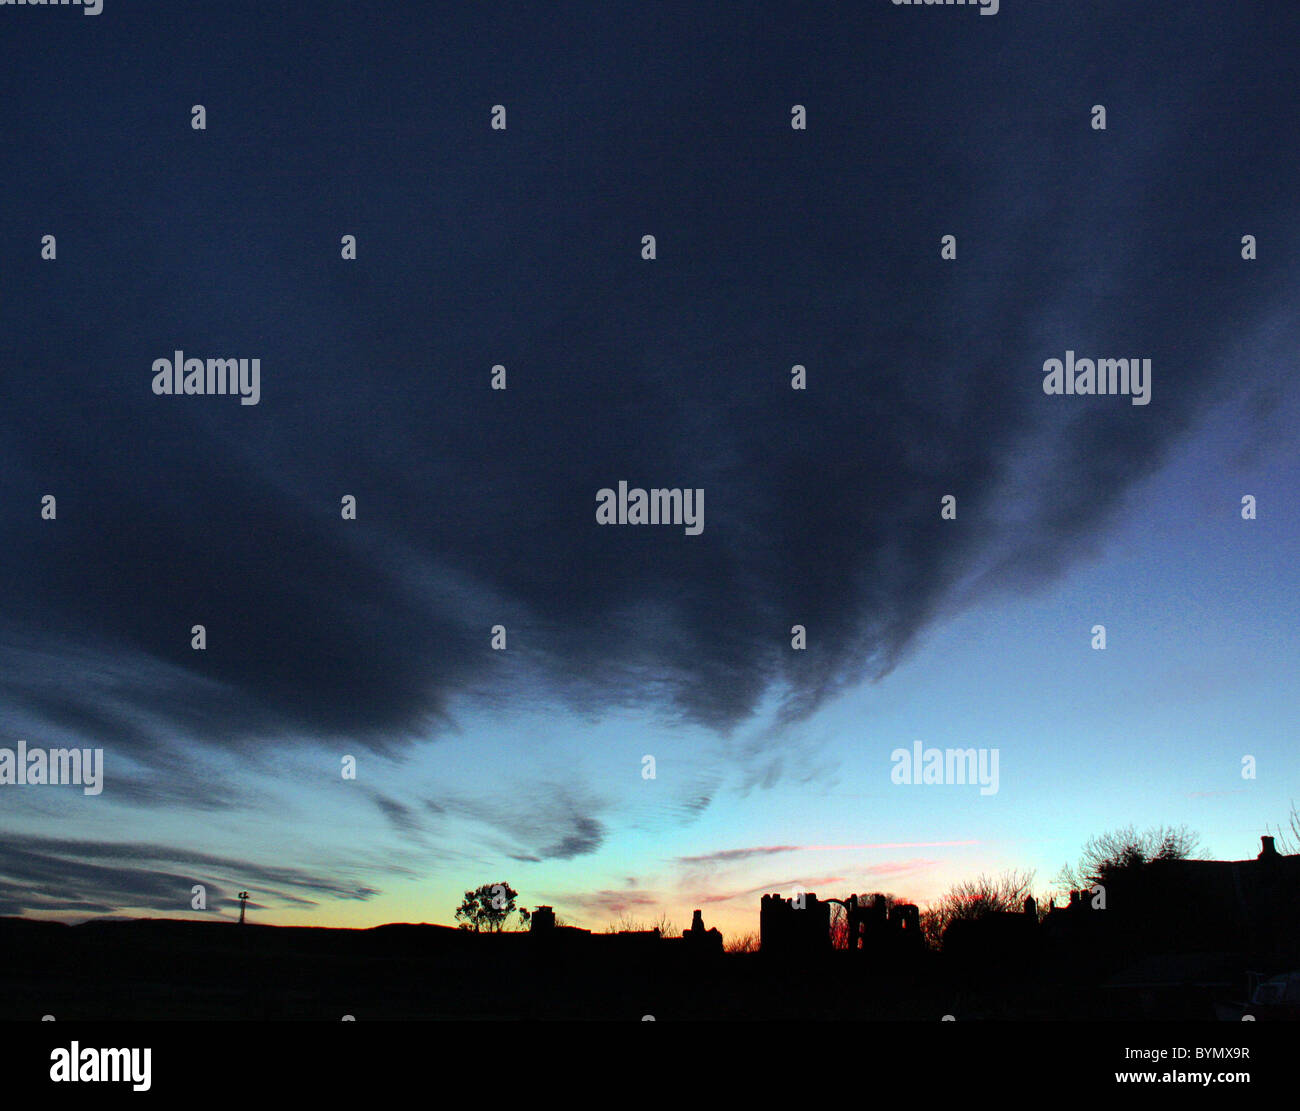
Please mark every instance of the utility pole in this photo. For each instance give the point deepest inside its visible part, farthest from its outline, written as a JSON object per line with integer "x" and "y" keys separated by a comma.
{"x": 243, "y": 900}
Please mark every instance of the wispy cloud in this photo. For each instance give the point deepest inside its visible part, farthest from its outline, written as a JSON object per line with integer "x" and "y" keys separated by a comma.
{"x": 726, "y": 856}
{"x": 48, "y": 875}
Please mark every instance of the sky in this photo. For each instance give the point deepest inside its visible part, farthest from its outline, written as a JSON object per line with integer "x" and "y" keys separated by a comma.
{"x": 775, "y": 246}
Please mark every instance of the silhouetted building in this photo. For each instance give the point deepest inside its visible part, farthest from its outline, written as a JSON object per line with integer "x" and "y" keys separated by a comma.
{"x": 877, "y": 929}
{"x": 794, "y": 927}
{"x": 1247, "y": 906}
{"x": 576, "y": 943}
{"x": 801, "y": 926}
{"x": 996, "y": 938}
{"x": 700, "y": 940}
{"x": 1229, "y": 914}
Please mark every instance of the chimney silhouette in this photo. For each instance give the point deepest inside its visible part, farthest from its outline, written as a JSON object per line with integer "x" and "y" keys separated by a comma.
{"x": 1268, "y": 851}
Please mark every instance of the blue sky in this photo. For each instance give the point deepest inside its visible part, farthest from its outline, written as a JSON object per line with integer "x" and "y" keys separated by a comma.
{"x": 1199, "y": 671}
{"x": 370, "y": 638}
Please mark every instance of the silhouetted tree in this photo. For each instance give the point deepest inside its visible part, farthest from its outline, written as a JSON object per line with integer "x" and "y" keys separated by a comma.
{"x": 625, "y": 923}
{"x": 1124, "y": 852}
{"x": 488, "y": 907}
{"x": 742, "y": 943}
{"x": 974, "y": 899}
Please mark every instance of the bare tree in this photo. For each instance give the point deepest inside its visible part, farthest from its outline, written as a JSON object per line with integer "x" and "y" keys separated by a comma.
{"x": 625, "y": 923}
{"x": 973, "y": 899}
{"x": 665, "y": 926}
{"x": 1125, "y": 851}
{"x": 742, "y": 943}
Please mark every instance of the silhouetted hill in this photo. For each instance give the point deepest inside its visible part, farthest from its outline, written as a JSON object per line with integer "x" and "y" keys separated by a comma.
{"x": 176, "y": 969}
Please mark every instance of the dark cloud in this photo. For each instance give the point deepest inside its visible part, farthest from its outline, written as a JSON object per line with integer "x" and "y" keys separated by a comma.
{"x": 606, "y": 904}
{"x": 44, "y": 875}
{"x": 556, "y": 822}
{"x": 477, "y": 508}
{"x": 400, "y": 816}
{"x": 585, "y": 837}
{"x": 728, "y": 856}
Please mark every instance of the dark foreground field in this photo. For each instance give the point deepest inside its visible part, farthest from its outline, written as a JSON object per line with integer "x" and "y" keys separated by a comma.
{"x": 160, "y": 969}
